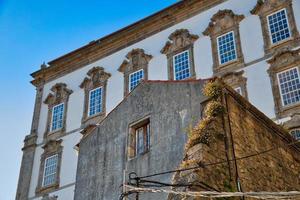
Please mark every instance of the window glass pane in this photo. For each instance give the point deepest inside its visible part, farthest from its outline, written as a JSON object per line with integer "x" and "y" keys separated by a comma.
{"x": 50, "y": 170}
{"x": 289, "y": 84}
{"x": 278, "y": 26}
{"x": 238, "y": 90}
{"x": 296, "y": 134}
{"x": 181, "y": 64}
{"x": 57, "y": 117}
{"x": 142, "y": 135}
{"x": 226, "y": 46}
{"x": 135, "y": 78}
{"x": 140, "y": 141}
{"x": 95, "y": 104}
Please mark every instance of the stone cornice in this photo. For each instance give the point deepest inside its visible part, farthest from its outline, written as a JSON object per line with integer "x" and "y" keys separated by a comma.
{"x": 123, "y": 38}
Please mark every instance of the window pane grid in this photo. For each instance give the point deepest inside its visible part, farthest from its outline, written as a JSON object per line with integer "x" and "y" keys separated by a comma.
{"x": 142, "y": 139}
{"x": 95, "y": 104}
{"x": 296, "y": 134}
{"x": 226, "y": 46}
{"x": 289, "y": 86}
{"x": 57, "y": 117}
{"x": 278, "y": 26}
{"x": 50, "y": 170}
{"x": 135, "y": 79}
{"x": 182, "y": 66}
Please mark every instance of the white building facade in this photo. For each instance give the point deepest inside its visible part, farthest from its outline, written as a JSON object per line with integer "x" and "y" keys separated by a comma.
{"x": 254, "y": 45}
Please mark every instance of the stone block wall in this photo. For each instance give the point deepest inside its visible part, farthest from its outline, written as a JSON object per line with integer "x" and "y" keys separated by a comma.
{"x": 274, "y": 170}
{"x": 239, "y": 149}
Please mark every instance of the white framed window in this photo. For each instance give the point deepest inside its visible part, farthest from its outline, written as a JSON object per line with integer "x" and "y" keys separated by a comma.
{"x": 95, "y": 101}
{"x": 238, "y": 90}
{"x": 181, "y": 65}
{"x": 142, "y": 139}
{"x": 226, "y": 48}
{"x": 296, "y": 134}
{"x": 289, "y": 86}
{"x": 135, "y": 78}
{"x": 278, "y": 26}
{"x": 57, "y": 117}
{"x": 50, "y": 170}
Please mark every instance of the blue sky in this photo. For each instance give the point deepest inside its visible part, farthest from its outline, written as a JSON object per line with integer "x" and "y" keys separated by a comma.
{"x": 34, "y": 31}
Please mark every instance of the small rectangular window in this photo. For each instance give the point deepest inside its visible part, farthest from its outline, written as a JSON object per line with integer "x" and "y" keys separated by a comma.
{"x": 181, "y": 63}
{"x": 278, "y": 26}
{"x": 95, "y": 101}
{"x": 226, "y": 48}
{"x": 296, "y": 134}
{"x": 50, "y": 170}
{"x": 289, "y": 85}
{"x": 57, "y": 117}
{"x": 142, "y": 135}
{"x": 135, "y": 78}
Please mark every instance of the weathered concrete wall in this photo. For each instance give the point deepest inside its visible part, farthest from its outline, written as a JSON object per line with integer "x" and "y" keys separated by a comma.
{"x": 171, "y": 106}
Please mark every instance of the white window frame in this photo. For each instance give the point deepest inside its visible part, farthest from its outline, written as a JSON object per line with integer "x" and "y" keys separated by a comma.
{"x": 234, "y": 45}
{"x": 89, "y": 101}
{"x": 129, "y": 84}
{"x": 282, "y": 101}
{"x": 269, "y": 28}
{"x": 44, "y": 171}
{"x": 51, "y": 124}
{"x": 174, "y": 74}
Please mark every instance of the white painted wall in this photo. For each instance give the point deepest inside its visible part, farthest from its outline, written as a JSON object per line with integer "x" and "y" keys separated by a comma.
{"x": 68, "y": 165}
{"x": 252, "y": 46}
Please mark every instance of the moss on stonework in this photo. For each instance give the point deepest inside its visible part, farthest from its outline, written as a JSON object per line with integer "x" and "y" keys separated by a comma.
{"x": 214, "y": 108}
{"x": 203, "y": 132}
{"x": 213, "y": 89}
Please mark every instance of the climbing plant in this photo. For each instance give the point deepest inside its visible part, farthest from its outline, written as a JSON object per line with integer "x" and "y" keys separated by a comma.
{"x": 204, "y": 132}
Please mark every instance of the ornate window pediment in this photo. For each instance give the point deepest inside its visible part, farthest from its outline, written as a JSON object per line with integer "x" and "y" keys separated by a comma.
{"x": 95, "y": 87}
{"x": 224, "y": 27}
{"x": 52, "y": 149}
{"x": 294, "y": 122}
{"x": 136, "y": 60}
{"x": 266, "y": 6}
{"x": 179, "y": 40}
{"x": 179, "y": 51}
{"x": 237, "y": 81}
{"x": 283, "y": 58}
{"x": 59, "y": 97}
{"x": 223, "y": 21}
{"x": 284, "y": 73}
{"x": 272, "y": 42}
{"x": 60, "y": 94}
